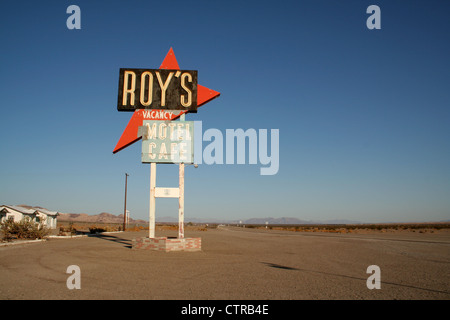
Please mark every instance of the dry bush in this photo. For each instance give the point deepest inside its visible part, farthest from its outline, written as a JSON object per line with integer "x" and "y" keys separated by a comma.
{"x": 70, "y": 230}
{"x": 24, "y": 229}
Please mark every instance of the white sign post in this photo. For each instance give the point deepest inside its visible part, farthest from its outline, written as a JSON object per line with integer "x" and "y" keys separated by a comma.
{"x": 151, "y": 227}
{"x": 166, "y": 193}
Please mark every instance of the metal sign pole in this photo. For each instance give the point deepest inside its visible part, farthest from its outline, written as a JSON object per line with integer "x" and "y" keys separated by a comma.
{"x": 181, "y": 204}
{"x": 181, "y": 195}
{"x": 151, "y": 226}
{"x": 125, "y": 206}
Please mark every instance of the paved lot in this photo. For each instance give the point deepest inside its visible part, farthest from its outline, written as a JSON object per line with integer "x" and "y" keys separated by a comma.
{"x": 235, "y": 263}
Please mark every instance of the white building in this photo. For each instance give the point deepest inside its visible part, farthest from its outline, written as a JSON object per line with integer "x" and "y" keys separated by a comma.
{"x": 17, "y": 213}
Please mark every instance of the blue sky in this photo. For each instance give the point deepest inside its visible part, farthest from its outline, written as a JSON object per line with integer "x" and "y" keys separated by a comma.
{"x": 363, "y": 115}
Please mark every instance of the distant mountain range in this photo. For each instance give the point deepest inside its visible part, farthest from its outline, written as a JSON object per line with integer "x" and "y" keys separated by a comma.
{"x": 103, "y": 217}
{"x": 106, "y": 217}
{"x": 290, "y": 220}
{"x": 269, "y": 220}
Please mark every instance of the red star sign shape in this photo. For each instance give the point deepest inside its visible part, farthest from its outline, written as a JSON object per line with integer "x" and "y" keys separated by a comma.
{"x": 130, "y": 134}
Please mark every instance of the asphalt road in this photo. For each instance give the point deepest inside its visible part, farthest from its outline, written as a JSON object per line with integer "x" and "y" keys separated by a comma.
{"x": 234, "y": 264}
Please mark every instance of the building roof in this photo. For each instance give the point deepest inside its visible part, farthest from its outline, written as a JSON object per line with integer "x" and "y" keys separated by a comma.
{"x": 48, "y": 212}
{"x": 19, "y": 209}
{"x": 30, "y": 211}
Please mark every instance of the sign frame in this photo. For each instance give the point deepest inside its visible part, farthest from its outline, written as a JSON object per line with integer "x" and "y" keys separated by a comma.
{"x": 167, "y": 141}
{"x": 164, "y": 89}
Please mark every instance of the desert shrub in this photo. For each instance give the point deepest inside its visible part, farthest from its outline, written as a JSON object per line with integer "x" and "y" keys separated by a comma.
{"x": 135, "y": 228}
{"x": 94, "y": 230}
{"x": 70, "y": 229}
{"x": 24, "y": 229}
{"x": 6, "y": 227}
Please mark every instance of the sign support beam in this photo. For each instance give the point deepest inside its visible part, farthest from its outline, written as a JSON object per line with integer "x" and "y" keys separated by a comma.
{"x": 151, "y": 226}
{"x": 181, "y": 196}
{"x": 125, "y": 205}
{"x": 181, "y": 204}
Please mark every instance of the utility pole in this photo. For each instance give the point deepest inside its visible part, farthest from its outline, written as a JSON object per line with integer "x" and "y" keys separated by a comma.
{"x": 125, "y": 207}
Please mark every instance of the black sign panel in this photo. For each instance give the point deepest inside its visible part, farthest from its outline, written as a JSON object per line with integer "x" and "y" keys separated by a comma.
{"x": 157, "y": 89}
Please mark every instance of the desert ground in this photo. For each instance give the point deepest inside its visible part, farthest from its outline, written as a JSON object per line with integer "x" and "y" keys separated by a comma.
{"x": 235, "y": 263}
